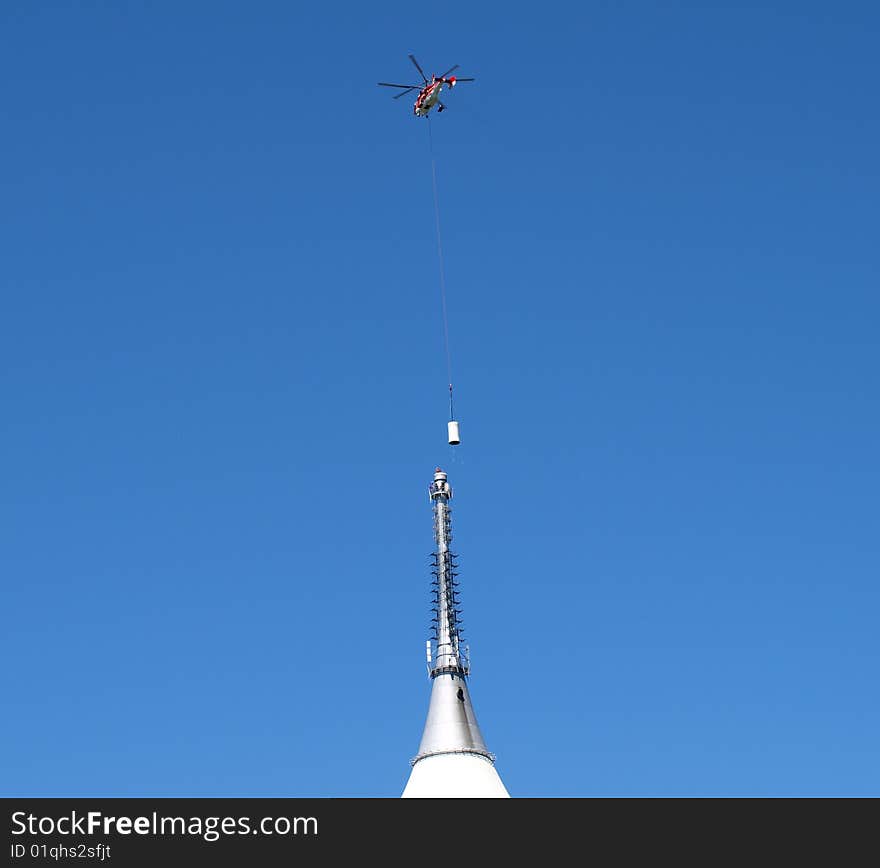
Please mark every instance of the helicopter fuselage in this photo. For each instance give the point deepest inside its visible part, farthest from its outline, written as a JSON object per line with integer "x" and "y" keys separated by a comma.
{"x": 429, "y": 96}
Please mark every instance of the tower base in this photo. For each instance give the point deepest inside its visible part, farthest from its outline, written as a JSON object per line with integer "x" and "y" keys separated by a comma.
{"x": 454, "y": 776}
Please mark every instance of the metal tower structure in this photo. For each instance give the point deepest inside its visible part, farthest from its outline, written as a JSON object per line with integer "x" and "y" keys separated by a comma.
{"x": 453, "y": 760}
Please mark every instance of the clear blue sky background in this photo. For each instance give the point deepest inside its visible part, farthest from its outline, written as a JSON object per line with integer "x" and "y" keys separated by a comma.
{"x": 223, "y": 392}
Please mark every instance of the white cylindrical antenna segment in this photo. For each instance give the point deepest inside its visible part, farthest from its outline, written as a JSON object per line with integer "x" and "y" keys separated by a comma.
{"x": 428, "y": 650}
{"x": 454, "y": 438}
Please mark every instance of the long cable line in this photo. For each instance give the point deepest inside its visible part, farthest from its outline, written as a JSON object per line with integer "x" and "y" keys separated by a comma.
{"x": 442, "y": 270}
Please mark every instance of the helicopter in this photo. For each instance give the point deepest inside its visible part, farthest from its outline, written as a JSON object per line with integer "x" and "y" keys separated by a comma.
{"x": 429, "y": 92}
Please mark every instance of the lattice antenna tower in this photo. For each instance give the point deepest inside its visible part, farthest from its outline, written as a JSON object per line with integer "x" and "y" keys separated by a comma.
{"x": 446, "y": 651}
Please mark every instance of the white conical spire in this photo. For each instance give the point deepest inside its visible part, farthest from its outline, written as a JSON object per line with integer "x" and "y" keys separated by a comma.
{"x": 453, "y": 760}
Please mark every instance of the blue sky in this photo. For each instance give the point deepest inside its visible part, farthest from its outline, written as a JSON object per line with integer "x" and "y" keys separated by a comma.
{"x": 224, "y": 394}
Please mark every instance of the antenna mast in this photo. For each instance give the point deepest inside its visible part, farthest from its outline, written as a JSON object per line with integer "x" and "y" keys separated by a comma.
{"x": 446, "y": 651}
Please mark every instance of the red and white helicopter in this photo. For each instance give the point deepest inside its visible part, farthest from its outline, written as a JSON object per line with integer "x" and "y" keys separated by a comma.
{"x": 429, "y": 92}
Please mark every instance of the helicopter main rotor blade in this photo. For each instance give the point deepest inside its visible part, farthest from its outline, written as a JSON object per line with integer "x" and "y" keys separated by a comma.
{"x": 448, "y": 71}
{"x": 416, "y": 64}
{"x": 464, "y": 79}
{"x": 404, "y": 92}
{"x": 407, "y": 86}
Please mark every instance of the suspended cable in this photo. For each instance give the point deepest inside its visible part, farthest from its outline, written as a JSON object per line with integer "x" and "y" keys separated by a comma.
{"x": 442, "y": 270}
